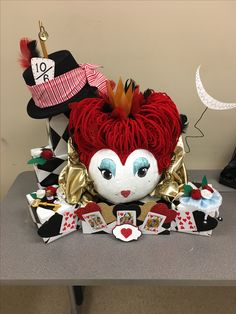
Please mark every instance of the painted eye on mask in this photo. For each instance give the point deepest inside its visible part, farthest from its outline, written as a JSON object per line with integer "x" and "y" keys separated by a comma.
{"x": 107, "y": 168}
{"x": 141, "y": 166}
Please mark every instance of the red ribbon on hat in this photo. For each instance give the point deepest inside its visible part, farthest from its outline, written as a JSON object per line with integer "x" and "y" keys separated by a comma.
{"x": 67, "y": 85}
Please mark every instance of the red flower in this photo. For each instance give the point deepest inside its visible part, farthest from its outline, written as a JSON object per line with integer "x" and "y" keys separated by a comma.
{"x": 46, "y": 154}
{"x": 196, "y": 194}
{"x": 207, "y": 187}
{"x": 51, "y": 189}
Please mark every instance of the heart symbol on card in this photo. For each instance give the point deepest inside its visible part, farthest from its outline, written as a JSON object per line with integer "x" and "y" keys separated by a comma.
{"x": 66, "y": 218}
{"x": 71, "y": 215}
{"x": 184, "y": 219}
{"x": 74, "y": 216}
{"x": 188, "y": 217}
{"x": 67, "y": 213}
{"x": 181, "y": 223}
{"x": 190, "y": 223}
{"x": 126, "y": 232}
{"x": 179, "y": 218}
{"x": 191, "y": 227}
{"x": 89, "y": 208}
{"x": 68, "y": 226}
{"x": 64, "y": 229}
{"x": 182, "y": 227}
{"x": 187, "y": 213}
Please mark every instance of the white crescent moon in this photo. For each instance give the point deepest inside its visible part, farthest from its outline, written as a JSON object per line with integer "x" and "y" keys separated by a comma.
{"x": 209, "y": 101}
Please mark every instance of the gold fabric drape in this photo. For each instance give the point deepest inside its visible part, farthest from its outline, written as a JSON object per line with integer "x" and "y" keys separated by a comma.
{"x": 171, "y": 185}
{"x": 74, "y": 180}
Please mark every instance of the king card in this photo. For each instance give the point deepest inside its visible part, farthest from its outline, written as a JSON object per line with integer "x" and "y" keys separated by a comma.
{"x": 153, "y": 223}
{"x": 95, "y": 221}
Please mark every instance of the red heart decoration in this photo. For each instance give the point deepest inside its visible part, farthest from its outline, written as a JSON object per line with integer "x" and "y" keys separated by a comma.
{"x": 72, "y": 227}
{"x": 182, "y": 227}
{"x": 66, "y": 218}
{"x": 191, "y": 227}
{"x": 65, "y": 224}
{"x": 68, "y": 226}
{"x": 187, "y": 213}
{"x": 71, "y": 215}
{"x": 190, "y": 223}
{"x": 184, "y": 219}
{"x": 188, "y": 217}
{"x": 126, "y": 232}
{"x": 74, "y": 216}
{"x": 181, "y": 223}
{"x": 121, "y": 214}
{"x": 89, "y": 208}
{"x": 67, "y": 213}
{"x": 162, "y": 209}
{"x": 64, "y": 229}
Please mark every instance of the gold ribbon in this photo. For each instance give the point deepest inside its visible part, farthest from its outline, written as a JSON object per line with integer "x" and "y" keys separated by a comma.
{"x": 77, "y": 186}
{"x": 74, "y": 180}
{"x": 171, "y": 185}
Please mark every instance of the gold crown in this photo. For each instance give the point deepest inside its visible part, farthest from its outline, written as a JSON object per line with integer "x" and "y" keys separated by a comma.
{"x": 120, "y": 98}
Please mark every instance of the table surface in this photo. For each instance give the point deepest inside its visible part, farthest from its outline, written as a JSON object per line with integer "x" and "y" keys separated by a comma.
{"x": 77, "y": 259}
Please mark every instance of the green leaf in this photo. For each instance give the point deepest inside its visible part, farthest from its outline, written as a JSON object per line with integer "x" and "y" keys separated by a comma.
{"x": 38, "y": 160}
{"x": 204, "y": 181}
{"x": 187, "y": 190}
{"x": 33, "y": 195}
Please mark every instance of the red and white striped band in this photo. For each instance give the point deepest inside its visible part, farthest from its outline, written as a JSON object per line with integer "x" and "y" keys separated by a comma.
{"x": 67, "y": 85}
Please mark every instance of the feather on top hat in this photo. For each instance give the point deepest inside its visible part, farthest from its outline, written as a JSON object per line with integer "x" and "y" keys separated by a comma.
{"x": 72, "y": 82}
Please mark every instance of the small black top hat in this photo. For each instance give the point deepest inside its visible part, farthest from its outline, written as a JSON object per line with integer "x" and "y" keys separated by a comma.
{"x": 64, "y": 64}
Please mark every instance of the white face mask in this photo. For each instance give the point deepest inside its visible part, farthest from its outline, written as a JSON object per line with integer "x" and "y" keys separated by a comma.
{"x": 119, "y": 183}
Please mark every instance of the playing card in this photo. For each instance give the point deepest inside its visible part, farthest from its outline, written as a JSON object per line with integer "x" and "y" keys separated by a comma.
{"x": 126, "y": 217}
{"x": 153, "y": 223}
{"x": 95, "y": 221}
{"x": 185, "y": 221}
{"x": 69, "y": 222}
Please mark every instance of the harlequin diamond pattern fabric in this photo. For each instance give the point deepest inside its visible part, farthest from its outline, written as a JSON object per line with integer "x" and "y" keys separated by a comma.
{"x": 47, "y": 174}
{"x": 58, "y": 133}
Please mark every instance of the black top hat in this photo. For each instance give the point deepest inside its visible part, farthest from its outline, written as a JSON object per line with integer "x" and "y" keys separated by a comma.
{"x": 64, "y": 63}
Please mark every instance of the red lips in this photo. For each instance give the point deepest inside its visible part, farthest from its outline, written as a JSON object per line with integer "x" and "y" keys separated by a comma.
{"x": 125, "y": 193}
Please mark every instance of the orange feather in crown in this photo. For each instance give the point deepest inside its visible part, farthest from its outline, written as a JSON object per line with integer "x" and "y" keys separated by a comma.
{"x": 120, "y": 98}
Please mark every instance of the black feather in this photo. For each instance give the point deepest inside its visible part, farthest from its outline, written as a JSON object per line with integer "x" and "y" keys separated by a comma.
{"x": 32, "y": 46}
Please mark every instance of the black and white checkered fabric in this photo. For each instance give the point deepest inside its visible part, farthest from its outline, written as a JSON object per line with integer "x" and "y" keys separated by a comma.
{"x": 48, "y": 173}
{"x": 57, "y": 127}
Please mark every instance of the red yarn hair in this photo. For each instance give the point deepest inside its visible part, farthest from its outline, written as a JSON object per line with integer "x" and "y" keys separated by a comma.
{"x": 153, "y": 124}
